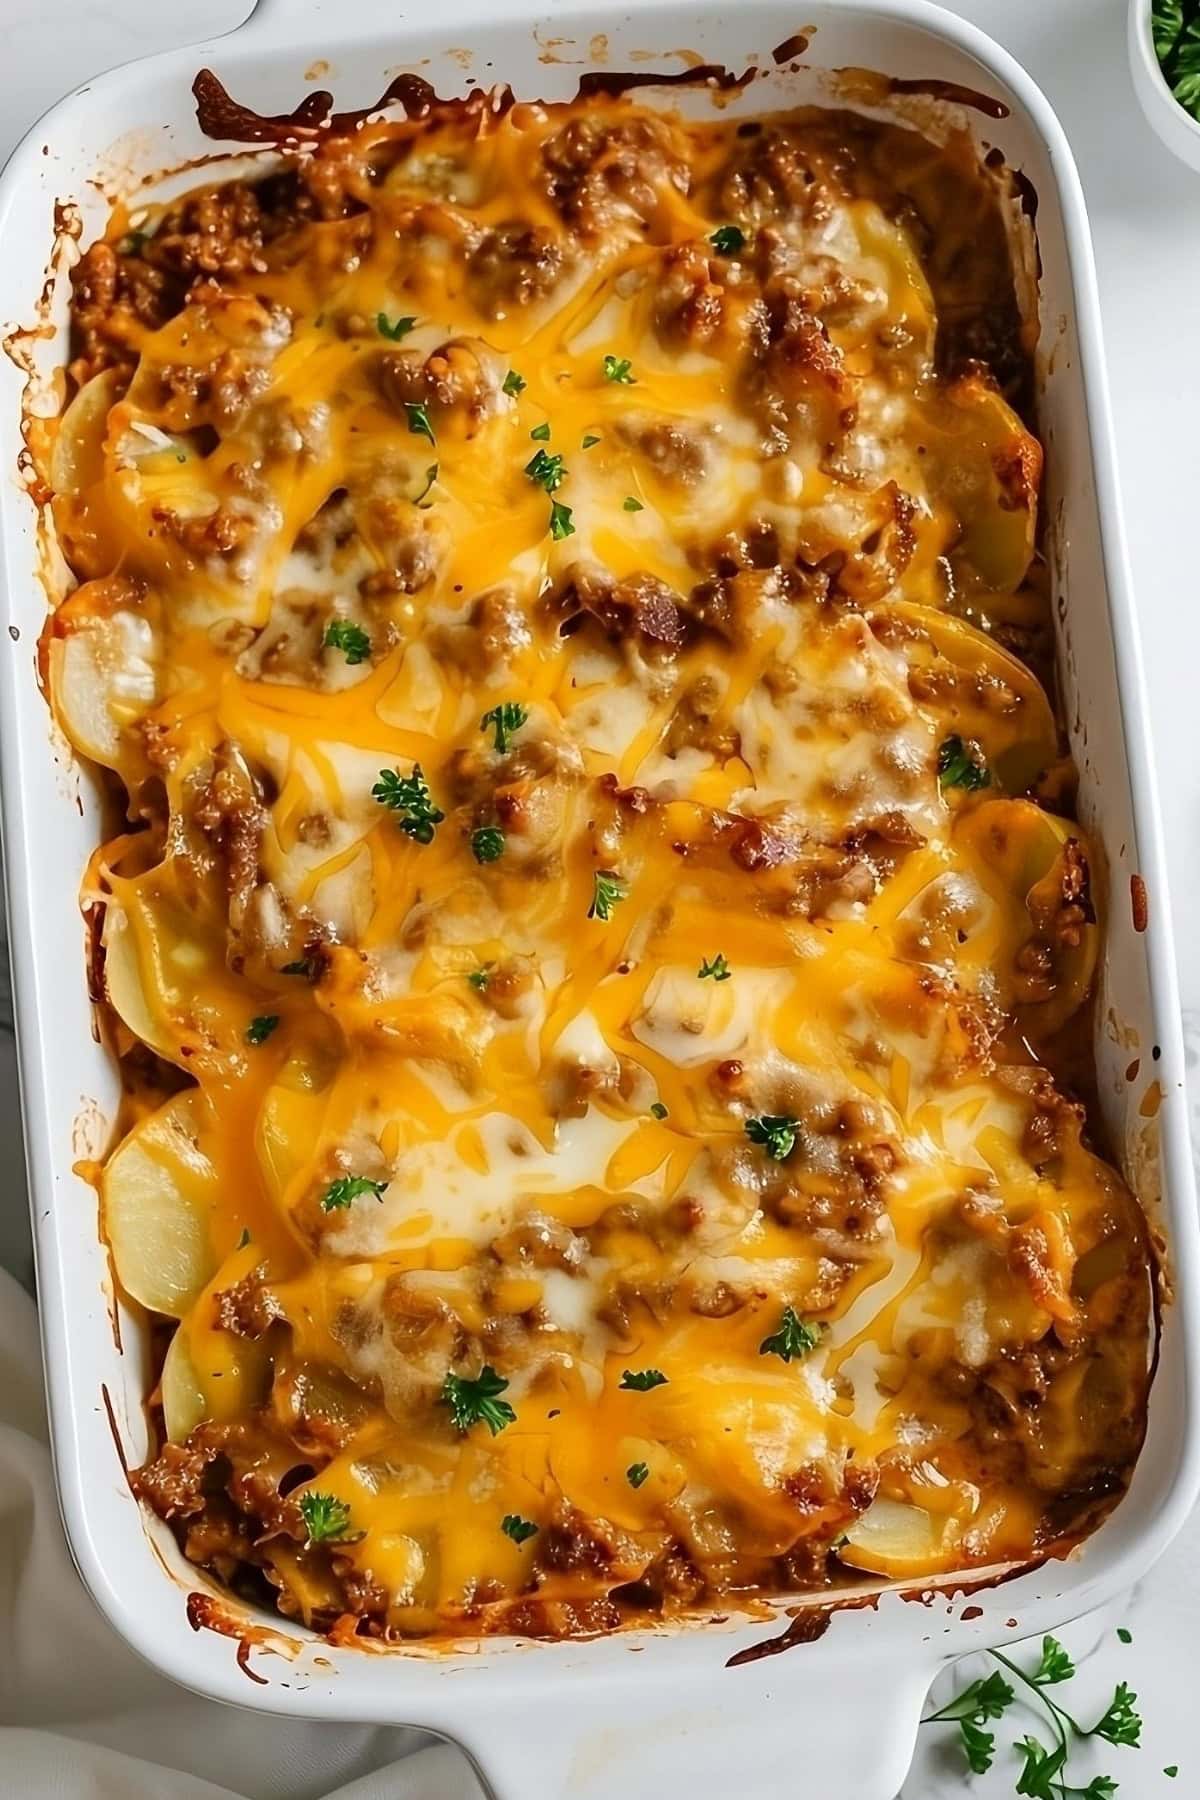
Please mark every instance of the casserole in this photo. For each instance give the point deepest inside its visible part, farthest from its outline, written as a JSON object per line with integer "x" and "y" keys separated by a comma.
{"x": 621, "y": 1707}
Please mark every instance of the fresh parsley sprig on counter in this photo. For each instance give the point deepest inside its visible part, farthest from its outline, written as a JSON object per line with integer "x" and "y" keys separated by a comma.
{"x": 1044, "y": 1774}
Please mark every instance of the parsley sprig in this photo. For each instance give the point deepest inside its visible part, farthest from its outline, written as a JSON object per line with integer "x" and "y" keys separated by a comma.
{"x": 505, "y": 720}
{"x": 1044, "y": 1773}
{"x": 608, "y": 890}
{"x": 326, "y": 1519}
{"x": 347, "y": 1188}
{"x": 409, "y": 795}
{"x": 475, "y": 1400}
{"x": 794, "y": 1337}
{"x": 776, "y": 1132}
{"x": 960, "y": 765}
{"x": 546, "y": 470}
{"x": 350, "y": 639}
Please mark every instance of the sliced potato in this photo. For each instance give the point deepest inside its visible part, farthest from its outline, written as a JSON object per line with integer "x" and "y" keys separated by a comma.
{"x": 986, "y": 468}
{"x": 894, "y": 1538}
{"x": 104, "y": 677}
{"x": 158, "y": 1192}
{"x": 183, "y": 1399}
{"x": 979, "y": 691}
{"x": 125, "y": 985}
{"x": 77, "y": 460}
{"x": 1035, "y": 868}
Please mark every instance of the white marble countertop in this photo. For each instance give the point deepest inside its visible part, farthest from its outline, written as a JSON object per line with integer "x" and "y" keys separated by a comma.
{"x": 1145, "y": 212}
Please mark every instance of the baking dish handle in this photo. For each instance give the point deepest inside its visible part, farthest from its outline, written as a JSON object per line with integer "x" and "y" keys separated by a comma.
{"x": 753, "y": 1733}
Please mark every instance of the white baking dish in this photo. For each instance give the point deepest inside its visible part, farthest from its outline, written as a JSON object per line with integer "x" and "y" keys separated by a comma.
{"x": 630, "y": 1715}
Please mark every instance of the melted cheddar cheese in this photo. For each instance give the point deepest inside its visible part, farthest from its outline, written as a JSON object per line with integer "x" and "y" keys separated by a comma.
{"x": 586, "y": 949}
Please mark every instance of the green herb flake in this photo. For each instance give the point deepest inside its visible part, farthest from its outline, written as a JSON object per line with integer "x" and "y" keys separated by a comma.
{"x": 326, "y": 1519}
{"x": 718, "y": 969}
{"x": 541, "y": 434}
{"x": 518, "y": 1529}
{"x": 418, "y": 420}
{"x": 775, "y": 1132}
{"x": 608, "y": 890}
{"x": 546, "y": 471}
{"x": 1055, "y": 1665}
{"x": 636, "y": 1473}
{"x": 487, "y": 844}
{"x": 560, "y": 522}
{"x": 631, "y": 505}
{"x": 505, "y": 720}
{"x": 961, "y": 767}
{"x": 1120, "y": 1724}
{"x": 409, "y": 795}
{"x": 793, "y": 1339}
{"x": 640, "y": 1381}
{"x": 1171, "y": 1771}
{"x": 348, "y": 1188}
{"x": 350, "y": 639}
{"x": 514, "y": 384}
{"x": 393, "y": 333}
{"x": 474, "y": 1401}
{"x": 260, "y": 1029}
{"x": 1124, "y": 1635}
{"x": 589, "y": 440}
{"x": 618, "y": 369}
{"x": 431, "y": 475}
{"x": 727, "y": 240}
{"x": 657, "y": 1110}
{"x": 480, "y": 977}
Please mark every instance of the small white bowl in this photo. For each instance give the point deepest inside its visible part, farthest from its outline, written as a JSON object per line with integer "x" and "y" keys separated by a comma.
{"x": 1177, "y": 129}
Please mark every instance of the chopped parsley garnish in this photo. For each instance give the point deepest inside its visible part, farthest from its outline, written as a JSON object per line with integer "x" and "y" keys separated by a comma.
{"x": 589, "y": 440}
{"x": 487, "y": 843}
{"x": 514, "y": 384}
{"x": 794, "y": 1338}
{"x": 657, "y": 1109}
{"x": 1125, "y": 1635}
{"x": 410, "y": 796}
{"x": 776, "y": 1132}
{"x": 479, "y": 978}
{"x": 347, "y": 1189}
{"x": 518, "y": 1529}
{"x": 1171, "y": 1771}
{"x": 260, "y": 1029}
{"x": 546, "y": 471}
{"x": 636, "y": 1473}
{"x": 1044, "y": 1774}
{"x": 418, "y": 420}
{"x": 630, "y": 504}
{"x": 560, "y": 522}
{"x": 958, "y": 766}
{"x": 431, "y": 475}
{"x": 541, "y": 434}
{"x": 475, "y": 1402}
{"x": 619, "y": 369}
{"x": 608, "y": 890}
{"x": 351, "y": 639}
{"x": 326, "y": 1519}
{"x": 506, "y": 720}
{"x": 640, "y": 1381}
{"x": 727, "y": 240}
{"x": 400, "y": 329}
{"x": 718, "y": 968}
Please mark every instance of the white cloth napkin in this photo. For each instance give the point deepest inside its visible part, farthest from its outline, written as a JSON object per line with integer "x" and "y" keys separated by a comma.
{"x": 83, "y": 1718}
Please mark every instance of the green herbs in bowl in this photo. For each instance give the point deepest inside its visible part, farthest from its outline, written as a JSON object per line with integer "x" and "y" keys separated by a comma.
{"x": 1175, "y": 26}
